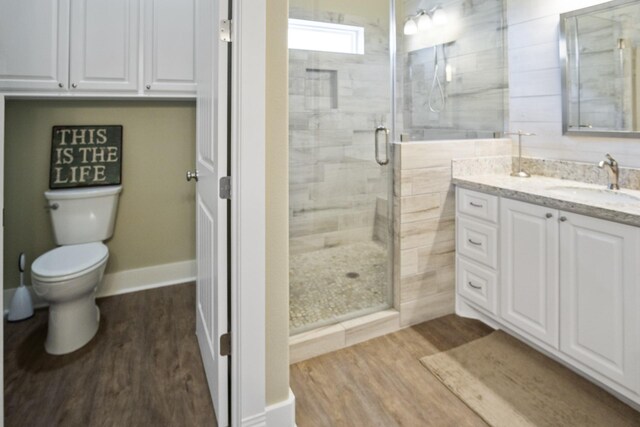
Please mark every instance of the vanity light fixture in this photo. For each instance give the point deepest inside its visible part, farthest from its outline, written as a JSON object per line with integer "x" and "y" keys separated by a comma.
{"x": 424, "y": 20}
{"x": 410, "y": 27}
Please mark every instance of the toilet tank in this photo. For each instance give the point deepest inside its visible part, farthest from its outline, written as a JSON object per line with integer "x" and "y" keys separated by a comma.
{"x": 83, "y": 215}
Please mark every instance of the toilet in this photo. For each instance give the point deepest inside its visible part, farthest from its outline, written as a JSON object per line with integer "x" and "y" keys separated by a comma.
{"x": 68, "y": 276}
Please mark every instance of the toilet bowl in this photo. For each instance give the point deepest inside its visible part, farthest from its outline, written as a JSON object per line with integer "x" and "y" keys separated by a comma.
{"x": 68, "y": 277}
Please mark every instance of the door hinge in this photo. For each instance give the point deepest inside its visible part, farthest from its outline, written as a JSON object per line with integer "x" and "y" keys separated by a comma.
{"x": 225, "y": 344}
{"x": 225, "y": 187}
{"x": 225, "y": 30}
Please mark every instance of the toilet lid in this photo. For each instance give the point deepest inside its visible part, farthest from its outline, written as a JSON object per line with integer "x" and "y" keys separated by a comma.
{"x": 69, "y": 259}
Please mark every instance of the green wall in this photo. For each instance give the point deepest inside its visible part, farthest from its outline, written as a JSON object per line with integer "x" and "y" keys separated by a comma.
{"x": 156, "y": 216}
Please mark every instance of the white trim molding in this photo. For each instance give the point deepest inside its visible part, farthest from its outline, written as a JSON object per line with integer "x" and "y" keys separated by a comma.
{"x": 282, "y": 414}
{"x": 248, "y": 224}
{"x": 127, "y": 281}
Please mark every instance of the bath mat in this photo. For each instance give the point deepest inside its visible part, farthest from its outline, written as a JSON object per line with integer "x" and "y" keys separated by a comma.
{"x": 509, "y": 384}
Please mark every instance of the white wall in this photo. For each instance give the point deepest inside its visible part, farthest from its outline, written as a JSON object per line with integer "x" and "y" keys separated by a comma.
{"x": 534, "y": 85}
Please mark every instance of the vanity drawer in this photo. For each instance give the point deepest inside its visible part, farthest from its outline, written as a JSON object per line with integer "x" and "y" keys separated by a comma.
{"x": 477, "y": 241}
{"x": 478, "y": 205}
{"x": 477, "y": 284}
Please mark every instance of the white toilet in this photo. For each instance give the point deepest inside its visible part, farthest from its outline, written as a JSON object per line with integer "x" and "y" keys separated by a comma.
{"x": 67, "y": 277}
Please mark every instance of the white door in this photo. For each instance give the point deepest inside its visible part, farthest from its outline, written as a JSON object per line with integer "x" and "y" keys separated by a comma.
{"x": 600, "y": 296}
{"x": 34, "y": 45}
{"x": 211, "y": 211}
{"x": 104, "y": 45}
{"x": 169, "y": 46}
{"x": 529, "y": 269}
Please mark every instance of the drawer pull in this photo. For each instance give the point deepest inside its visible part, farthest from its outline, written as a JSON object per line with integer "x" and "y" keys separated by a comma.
{"x": 474, "y": 286}
{"x": 475, "y": 205}
{"x": 475, "y": 243}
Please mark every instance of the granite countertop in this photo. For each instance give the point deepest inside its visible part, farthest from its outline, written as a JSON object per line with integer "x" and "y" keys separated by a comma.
{"x": 540, "y": 190}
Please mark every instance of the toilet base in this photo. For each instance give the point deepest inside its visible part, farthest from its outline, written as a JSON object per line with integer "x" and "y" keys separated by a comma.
{"x": 72, "y": 324}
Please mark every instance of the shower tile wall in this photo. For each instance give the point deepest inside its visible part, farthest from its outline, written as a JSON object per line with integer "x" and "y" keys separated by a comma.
{"x": 337, "y": 190}
{"x": 473, "y": 44}
{"x": 425, "y": 224}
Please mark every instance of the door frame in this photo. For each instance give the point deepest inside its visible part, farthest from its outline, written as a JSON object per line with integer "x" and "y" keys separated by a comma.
{"x": 248, "y": 224}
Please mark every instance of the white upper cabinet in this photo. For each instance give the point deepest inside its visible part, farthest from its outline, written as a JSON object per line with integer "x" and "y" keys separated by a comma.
{"x": 169, "y": 46}
{"x": 600, "y": 296}
{"x": 34, "y": 44}
{"x": 103, "y": 48}
{"x": 529, "y": 266}
{"x": 104, "y": 45}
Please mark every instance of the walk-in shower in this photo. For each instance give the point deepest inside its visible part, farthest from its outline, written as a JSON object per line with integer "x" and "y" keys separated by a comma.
{"x": 449, "y": 81}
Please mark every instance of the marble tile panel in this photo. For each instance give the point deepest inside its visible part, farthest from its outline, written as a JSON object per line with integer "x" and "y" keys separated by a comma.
{"x": 418, "y": 286}
{"x": 440, "y": 254}
{"x": 446, "y": 278}
{"x": 427, "y": 180}
{"x": 370, "y": 326}
{"x": 427, "y": 308}
{"x": 422, "y": 207}
{"x": 426, "y": 233}
{"x": 315, "y": 342}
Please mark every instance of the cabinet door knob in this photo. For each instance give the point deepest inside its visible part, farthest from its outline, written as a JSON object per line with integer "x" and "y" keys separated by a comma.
{"x": 148, "y": 87}
{"x": 60, "y": 85}
{"x": 549, "y": 215}
{"x": 563, "y": 218}
{"x": 74, "y": 85}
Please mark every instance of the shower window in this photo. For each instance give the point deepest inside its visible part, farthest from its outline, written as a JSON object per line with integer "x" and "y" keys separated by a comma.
{"x": 325, "y": 37}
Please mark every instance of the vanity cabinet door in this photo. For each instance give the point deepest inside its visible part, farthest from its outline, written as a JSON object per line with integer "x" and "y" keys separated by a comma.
{"x": 34, "y": 45}
{"x": 529, "y": 269}
{"x": 104, "y": 45}
{"x": 600, "y": 298}
{"x": 169, "y": 46}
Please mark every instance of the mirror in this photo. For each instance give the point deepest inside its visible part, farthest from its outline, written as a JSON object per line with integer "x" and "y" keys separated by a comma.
{"x": 600, "y": 60}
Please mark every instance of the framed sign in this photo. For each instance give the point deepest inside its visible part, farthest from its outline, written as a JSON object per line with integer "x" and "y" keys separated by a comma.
{"x": 85, "y": 156}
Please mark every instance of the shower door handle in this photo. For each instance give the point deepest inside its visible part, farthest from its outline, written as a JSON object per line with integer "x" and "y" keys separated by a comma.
{"x": 386, "y": 145}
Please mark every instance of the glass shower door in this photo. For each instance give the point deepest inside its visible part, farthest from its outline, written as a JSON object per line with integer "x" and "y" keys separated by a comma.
{"x": 339, "y": 177}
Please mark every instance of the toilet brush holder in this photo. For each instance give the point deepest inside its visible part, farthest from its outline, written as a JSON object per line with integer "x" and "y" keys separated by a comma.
{"x": 21, "y": 307}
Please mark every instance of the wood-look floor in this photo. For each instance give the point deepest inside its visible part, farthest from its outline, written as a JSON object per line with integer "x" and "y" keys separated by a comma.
{"x": 382, "y": 383}
{"x": 143, "y": 368}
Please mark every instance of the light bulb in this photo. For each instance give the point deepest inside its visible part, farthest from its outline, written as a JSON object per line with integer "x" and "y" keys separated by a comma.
{"x": 410, "y": 27}
{"x": 439, "y": 17}
{"x": 424, "y": 22}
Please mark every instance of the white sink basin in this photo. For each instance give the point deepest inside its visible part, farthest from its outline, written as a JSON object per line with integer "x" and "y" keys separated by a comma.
{"x": 594, "y": 194}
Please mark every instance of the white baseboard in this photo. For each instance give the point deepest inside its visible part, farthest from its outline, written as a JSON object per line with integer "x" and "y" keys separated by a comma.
{"x": 282, "y": 414}
{"x": 123, "y": 282}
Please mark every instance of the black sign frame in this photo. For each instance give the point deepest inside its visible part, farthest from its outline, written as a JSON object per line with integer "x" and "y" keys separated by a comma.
{"x": 75, "y": 160}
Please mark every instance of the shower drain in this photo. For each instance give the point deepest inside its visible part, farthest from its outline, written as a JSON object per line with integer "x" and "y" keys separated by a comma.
{"x": 352, "y": 275}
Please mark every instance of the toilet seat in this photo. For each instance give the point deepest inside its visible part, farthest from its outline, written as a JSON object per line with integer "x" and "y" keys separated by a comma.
{"x": 69, "y": 261}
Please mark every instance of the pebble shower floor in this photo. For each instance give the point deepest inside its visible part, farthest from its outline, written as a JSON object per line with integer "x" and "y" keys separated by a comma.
{"x": 330, "y": 283}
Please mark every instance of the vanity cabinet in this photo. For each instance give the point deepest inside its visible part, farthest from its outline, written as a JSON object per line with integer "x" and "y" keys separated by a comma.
{"x": 567, "y": 283}
{"x": 599, "y": 294}
{"x": 108, "y": 48}
{"x": 529, "y": 273}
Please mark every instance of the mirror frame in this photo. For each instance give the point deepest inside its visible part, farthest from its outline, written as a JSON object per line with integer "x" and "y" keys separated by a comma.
{"x": 564, "y": 70}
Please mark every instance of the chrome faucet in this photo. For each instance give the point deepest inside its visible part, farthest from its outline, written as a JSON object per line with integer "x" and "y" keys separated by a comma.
{"x": 613, "y": 171}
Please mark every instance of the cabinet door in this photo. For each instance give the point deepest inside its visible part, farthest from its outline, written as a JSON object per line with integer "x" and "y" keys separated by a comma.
{"x": 34, "y": 45}
{"x": 529, "y": 269}
{"x": 169, "y": 52}
{"x": 104, "y": 45}
{"x": 599, "y": 296}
